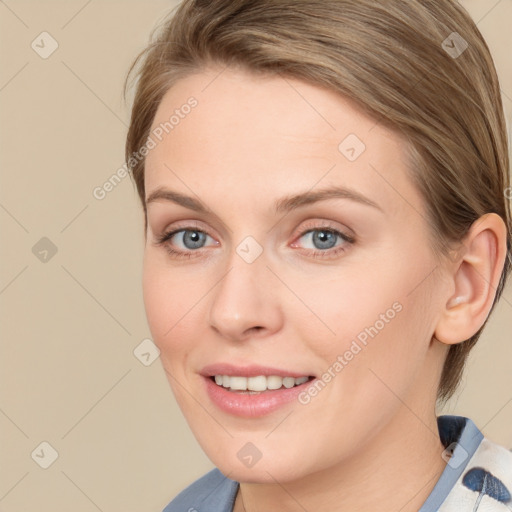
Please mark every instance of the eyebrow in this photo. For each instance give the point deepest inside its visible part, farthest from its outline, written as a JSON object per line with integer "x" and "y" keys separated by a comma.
{"x": 285, "y": 204}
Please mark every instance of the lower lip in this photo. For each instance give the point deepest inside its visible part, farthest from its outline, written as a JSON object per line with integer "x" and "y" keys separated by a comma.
{"x": 252, "y": 405}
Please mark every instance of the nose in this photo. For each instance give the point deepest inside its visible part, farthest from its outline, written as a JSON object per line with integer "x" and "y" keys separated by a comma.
{"x": 245, "y": 301}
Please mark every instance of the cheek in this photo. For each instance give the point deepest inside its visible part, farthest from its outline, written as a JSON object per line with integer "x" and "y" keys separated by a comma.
{"x": 345, "y": 306}
{"x": 169, "y": 304}
{"x": 375, "y": 318}
{"x": 158, "y": 304}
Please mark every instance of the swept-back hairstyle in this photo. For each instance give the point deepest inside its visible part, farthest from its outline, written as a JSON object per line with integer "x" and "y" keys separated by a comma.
{"x": 419, "y": 67}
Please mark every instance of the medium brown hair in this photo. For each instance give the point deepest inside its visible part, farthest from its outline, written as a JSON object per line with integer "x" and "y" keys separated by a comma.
{"x": 399, "y": 61}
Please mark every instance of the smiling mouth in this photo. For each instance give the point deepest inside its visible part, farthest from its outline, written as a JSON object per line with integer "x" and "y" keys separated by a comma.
{"x": 258, "y": 384}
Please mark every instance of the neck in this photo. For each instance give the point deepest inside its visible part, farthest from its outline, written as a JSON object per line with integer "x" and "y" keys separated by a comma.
{"x": 395, "y": 470}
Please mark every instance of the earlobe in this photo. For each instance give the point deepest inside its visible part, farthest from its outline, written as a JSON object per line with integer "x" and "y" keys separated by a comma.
{"x": 475, "y": 276}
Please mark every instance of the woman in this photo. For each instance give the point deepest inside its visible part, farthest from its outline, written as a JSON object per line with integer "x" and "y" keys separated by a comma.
{"x": 327, "y": 230}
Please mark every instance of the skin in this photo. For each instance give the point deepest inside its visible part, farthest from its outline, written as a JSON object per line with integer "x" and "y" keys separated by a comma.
{"x": 248, "y": 142}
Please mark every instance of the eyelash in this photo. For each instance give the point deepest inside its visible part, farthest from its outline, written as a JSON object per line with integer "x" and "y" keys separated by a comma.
{"x": 331, "y": 253}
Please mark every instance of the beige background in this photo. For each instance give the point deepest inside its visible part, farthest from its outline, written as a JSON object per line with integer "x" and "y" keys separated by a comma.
{"x": 70, "y": 324}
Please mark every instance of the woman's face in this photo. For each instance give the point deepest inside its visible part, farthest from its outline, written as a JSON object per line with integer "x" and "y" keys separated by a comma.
{"x": 342, "y": 286}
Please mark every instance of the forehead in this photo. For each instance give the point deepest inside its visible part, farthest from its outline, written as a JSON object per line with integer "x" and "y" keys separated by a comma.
{"x": 264, "y": 134}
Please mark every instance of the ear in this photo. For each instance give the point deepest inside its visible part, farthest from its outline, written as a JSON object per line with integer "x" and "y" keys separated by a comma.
{"x": 474, "y": 277}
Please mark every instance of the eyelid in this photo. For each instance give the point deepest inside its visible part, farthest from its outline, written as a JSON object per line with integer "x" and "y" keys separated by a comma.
{"x": 185, "y": 225}
{"x": 300, "y": 231}
{"x": 324, "y": 224}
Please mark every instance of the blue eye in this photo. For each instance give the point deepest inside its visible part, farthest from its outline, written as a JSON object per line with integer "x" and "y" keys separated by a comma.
{"x": 191, "y": 238}
{"x": 323, "y": 238}
{"x": 324, "y": 242}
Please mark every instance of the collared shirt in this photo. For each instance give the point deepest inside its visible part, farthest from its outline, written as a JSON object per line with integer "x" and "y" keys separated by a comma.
{"x": 477, "y": 477}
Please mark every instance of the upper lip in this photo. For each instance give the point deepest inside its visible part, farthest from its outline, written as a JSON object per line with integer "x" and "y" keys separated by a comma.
{"x": 248, "y": 371}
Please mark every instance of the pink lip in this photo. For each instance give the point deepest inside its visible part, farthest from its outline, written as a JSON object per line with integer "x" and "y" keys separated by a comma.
{"x": 252, "y": 406}
{"x": 248, "y": 371}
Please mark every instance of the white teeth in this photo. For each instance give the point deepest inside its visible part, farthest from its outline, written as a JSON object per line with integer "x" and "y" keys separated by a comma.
{"x": 259, "y": 383}
{"x": 274, "y": 382}
{"x": 237, "y": 383}
{"x": 288, "y": 382}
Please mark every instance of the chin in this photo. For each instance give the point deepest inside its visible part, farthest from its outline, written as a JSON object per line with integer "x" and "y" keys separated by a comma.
{"x": 262, "y": 472}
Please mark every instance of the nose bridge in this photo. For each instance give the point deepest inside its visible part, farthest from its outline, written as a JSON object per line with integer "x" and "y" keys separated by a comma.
{"x": 242, "y": 299}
